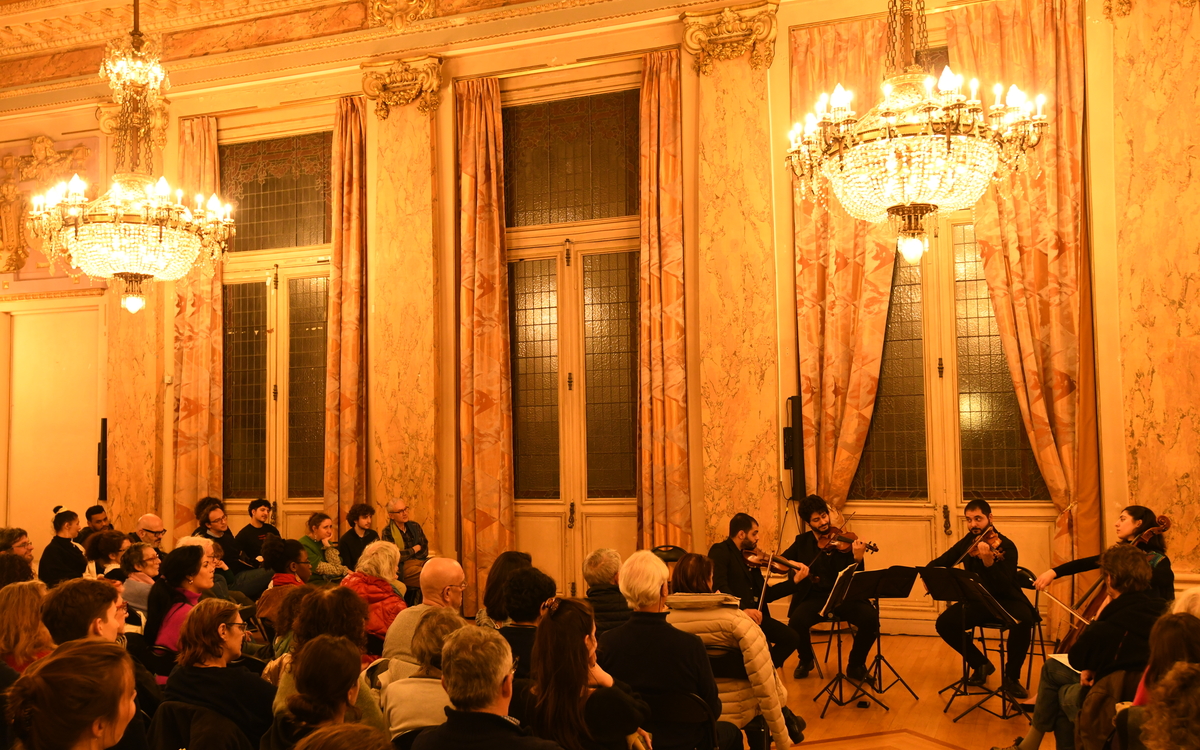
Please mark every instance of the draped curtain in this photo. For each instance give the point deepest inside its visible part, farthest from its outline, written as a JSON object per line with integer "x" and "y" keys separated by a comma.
{"x": 666, "y": 511}
{"x": 346, "y": 371}
{"x": 198, "y": 391}
{"x": 843, "y": 271}
{"x": 485, "y": 383}
{"x": 1031, "y": 237}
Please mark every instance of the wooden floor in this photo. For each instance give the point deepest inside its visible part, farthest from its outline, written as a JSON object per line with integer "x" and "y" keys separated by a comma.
{"x": 927, "y": 665}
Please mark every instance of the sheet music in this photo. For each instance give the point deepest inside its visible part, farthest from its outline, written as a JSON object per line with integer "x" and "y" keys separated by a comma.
{"x": 839, "y": 586}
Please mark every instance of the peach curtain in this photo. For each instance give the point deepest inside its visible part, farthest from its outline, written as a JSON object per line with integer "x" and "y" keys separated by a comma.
{"x": 666, "y": 509}
{"x": 1030, "y": 234}
{"x": 346, "y": 371}
{"x": 485, "y": 384}
{"x": 843, "y": 271}
{"x": 199, "y": 339}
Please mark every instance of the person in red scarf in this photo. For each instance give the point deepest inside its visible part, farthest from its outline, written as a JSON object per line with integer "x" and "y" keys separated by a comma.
{"x": 288, "y": 560}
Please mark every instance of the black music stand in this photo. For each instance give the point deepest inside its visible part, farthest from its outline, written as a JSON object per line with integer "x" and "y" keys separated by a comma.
{"x": 960, "y": 586}
{"x": 895, "y": 582}
{"x": 835, "y": 689}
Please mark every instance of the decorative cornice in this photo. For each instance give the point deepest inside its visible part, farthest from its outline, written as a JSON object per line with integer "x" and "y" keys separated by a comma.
{"x": 64, "y": 294}
{"x": 397, "y": 14}
{"x": 729, "y": 33}
{"x": 402, "y": 82}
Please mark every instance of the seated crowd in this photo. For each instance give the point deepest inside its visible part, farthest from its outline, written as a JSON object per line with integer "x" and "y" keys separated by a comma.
{"x": 257, "y": 641}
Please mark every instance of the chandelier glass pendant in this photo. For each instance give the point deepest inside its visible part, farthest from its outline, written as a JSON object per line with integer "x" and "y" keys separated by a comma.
{"x": 926, "y": 148}
{"x": 137, "y": 232}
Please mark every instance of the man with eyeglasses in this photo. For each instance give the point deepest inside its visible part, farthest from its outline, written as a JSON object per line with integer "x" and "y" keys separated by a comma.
{"x": 410, "y": 538}
{"x": 150, "y": 531}
{"x": 16, "y": 541}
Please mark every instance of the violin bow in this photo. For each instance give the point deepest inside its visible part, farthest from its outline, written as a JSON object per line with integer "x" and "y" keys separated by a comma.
{"x": 1067, "y": 607}
{"x": 762, "y": 598}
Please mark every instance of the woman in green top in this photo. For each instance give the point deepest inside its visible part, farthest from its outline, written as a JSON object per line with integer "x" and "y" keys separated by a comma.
{"x": 324, "y": 558}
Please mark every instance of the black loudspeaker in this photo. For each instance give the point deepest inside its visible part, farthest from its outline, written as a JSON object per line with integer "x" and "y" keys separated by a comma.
{"x": 102, "y": 459}
{"x": 793, "y": 446}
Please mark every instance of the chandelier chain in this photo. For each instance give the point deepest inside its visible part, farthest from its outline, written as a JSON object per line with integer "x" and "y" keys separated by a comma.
{"x": 893, "y": 26}
{"x": 921, "y": 43}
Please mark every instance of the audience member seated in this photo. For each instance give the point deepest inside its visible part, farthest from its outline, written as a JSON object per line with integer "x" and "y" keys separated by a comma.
{"x": 600, "y": 571}
{"x": 570, "y": 698}
{"x": 441, "y": 586}
{"x": 326, "y": 677}
{"x": 359, "y": 535}
{"x": 94, "y": 678}
{"x": 524, "y": 594}
{"x": 141, "y": 563}
{"x": 477, "y": 672}
{"x": 250, "y": 539}
{"x": 375, "y": 583}
{"x": 289, "y": 565}
{"x": 16, "y": 541}
{"x": 494, "y": 613}
{"x": 1175, "y": 638}
{"x": 1174, "y": 711}
{"x": 14, "y": 569}
{"x": 241, "y": 572}
{"x": 326, "y": 562}
{"x": 201, "y": 511}
{"x": 150, "y": 530}
{"x": 62, "y": 559}
{"x": 420, "y": 701}
{"x": 95, "y": 521}
{"x": 655, "y": 658}
{"x": 211, "y": 638}
{"x": 410, "y": 538}
{"x": 221, "y": 577}
{"x": 103, "y": 550}
{"x": 23, "y": 637}
{"x": 285, "y": 617}
{"x": 1117, "y": 640}
{"x": 1187, "y": 601}
{"x": 345, "y": 737}
{"x": 738, "y": 651}
{"x": 186, "y": 574}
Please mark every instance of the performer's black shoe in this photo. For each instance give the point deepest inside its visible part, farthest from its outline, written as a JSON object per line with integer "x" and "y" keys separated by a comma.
{"x": 1013, "y": 687}
{"x": 803, "y": 668}
{"x": 980, "y": 674}
{"x": 860, "y": 673}
{"x": 795, "y": 725}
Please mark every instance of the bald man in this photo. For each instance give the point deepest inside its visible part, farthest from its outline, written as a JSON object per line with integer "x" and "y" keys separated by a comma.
{"x": 442, "y": 583}
{"x": 150, "y": 531}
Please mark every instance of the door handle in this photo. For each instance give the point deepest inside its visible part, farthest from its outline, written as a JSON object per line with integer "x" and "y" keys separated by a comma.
{"x": 946, "y": 518}
{"x": 571, "y": 517}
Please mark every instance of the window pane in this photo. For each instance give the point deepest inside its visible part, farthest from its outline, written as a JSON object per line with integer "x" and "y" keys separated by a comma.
{"x": 308, "y": 311}
{"x": 245, "y": 397}
{"x": 893, "y": 461}
{"x": 997, "y": 461}
{"x": 571, "y": 159}
{"x": 533, "y": 307}
{"x": 610, "y": 322}
{"x": 280, "y": 191}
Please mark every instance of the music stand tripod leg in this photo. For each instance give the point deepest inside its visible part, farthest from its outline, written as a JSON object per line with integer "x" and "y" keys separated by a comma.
{"x": 836, "y": 692}
{"x": 880, "y": 661}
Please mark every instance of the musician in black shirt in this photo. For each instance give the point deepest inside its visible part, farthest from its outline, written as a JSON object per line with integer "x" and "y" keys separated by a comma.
{"x": 996, "y": 569}
{"x": 822, "y": 568}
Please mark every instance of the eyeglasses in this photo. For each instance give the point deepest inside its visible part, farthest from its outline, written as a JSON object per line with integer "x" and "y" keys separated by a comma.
{"x": 516, "y": 661}
{"x": 241, "y": 625}
{"x": 24, "y": 545}
{"x": 460, "y": 586}
{"x": 397, "y": 511}
{"x": 155, "y": 534}
{"x": 218, "y": 520}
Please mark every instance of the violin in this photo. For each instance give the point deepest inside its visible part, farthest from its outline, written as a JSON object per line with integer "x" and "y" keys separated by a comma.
{"x": 841, "y": 540}
{"x": 989, "y": 536}
{"x": 756, "y": 558}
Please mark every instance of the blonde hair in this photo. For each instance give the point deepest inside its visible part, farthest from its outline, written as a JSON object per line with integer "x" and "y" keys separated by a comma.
{"x": 1188, "y": 601}
{"x": 475, "y": 662}
{"x": 642, "y": 578}
{"x": 380, "y": 559}
{"x": 22, "y": 633}
{"x": 196, "y": 541}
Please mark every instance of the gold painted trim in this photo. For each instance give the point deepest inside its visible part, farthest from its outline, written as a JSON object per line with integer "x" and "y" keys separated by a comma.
{"x": 730, "y": 33}
{"x": 64, "y": 294}
{"x": 400, "y": 83}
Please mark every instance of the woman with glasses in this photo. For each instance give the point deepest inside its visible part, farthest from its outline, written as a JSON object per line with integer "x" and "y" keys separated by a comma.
{"x": 186, "y": 574}
{"x": 209, "y": 644}
{"x": 141, "y": 565}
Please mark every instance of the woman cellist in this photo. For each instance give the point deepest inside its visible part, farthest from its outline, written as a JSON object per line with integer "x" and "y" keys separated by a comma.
{"x": 1137, "y": 524}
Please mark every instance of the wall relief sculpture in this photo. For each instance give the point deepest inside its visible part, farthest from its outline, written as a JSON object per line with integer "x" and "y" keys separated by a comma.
{"x": 25, "y": 172}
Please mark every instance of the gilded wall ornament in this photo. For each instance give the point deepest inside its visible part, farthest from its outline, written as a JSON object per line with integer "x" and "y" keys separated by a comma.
{"x": 399, "y": 13}
{"x": 729, "y": 33}
{"x": 43, "y": 167}
{"x": 402, "y": 82}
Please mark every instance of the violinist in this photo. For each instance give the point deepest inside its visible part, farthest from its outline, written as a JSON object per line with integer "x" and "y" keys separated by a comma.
{"x": 1136, "y": 525}
{"x": 731, "y": 575}
{"x": 991, "y": 556}
{"x": 823, "y": 562}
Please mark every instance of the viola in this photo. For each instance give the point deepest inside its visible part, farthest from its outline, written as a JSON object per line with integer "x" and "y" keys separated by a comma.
{"x": 757, "y": 558}
{"x": 841, "y": 540}
{"x": 991, "y": 538}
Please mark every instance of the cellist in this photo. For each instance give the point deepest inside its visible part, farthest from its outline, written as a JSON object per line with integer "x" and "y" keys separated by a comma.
{"x": 1134, "y": 522}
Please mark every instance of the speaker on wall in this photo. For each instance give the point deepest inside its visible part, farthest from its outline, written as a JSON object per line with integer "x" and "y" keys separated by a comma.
{"x": 793, "y": 447}
{"x": 102, "y": 459}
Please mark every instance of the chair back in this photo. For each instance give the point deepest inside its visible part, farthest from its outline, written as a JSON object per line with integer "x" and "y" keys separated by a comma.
{"x": 669, "y": 553}
{"x": 684, "y": 708}
{"x": 179, "y": 724}
{"x": 404, "y": 740}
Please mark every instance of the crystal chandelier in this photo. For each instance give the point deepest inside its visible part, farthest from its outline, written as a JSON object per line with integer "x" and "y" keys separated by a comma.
{"x": 926, "y": 148}
{"x": 136, "y": 232}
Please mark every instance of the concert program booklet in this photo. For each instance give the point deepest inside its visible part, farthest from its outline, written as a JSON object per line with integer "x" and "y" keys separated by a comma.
{"x": 840, "y": 586}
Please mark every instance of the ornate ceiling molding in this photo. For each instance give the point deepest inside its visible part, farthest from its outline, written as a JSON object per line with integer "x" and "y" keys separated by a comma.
{"x": 397, "y": 14}
{"x": 729, "y": 33}
{"x": 400, "y": 83}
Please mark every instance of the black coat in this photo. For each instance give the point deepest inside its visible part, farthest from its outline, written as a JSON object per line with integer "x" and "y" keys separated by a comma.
{"x": 351, "y": 546}
{"x": 231, "y": 551}
{"x": 1001, "y": 579}
{"x": 608, "y": 606}
{"x": 61, "y": 561}
{"x": 468, "y": 730}
{"x": 1162, "y": 578}
{"x": 250, "y": 541}
{"x": 611, "y": 714}
{"x": 1120, "y": 636}
{"x": 731, "y": 575}
{"x": 823, "y": 567}
{"x": 233, "y": 692}
{"x": 411, "y": 535}
{"x": 185, "y": 725}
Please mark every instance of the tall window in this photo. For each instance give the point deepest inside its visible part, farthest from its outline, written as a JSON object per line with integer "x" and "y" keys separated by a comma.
{"x": 276, "y": 314}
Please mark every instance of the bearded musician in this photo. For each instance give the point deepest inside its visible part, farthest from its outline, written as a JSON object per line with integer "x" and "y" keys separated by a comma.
{"x": 996, "y": 568}
{"x": 821, "y": 568}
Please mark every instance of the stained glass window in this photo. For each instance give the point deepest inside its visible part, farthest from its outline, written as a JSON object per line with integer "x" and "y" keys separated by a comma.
{"x": 308, "y": 311}
{"x": 280, "y": 191}
{"x": 610, "y": 320}
{"x": 571, "y": 159}
{"x": 533, "y": 332}
{"x": 245, "y": 395}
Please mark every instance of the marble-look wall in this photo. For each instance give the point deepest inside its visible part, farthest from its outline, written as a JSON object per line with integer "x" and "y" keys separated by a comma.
{"x": 402, "y": 353}
{"x": 738, "y": 338}
{"x": 135, "y": 407}
{"x": 1157, "y": 94}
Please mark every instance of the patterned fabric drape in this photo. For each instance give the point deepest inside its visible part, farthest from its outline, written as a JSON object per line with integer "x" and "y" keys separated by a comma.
{"x": 666, "y": 513}
{"x": 843, "y": 274}
{"x": 199, "y": 384}
{"x": 485, "y": 384}
{"x": 346, "y": 370}
{"x": 1030, "y": 236}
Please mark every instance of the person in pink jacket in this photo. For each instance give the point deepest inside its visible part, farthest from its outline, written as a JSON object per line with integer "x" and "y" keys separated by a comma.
{"x": 376, "y": 584}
